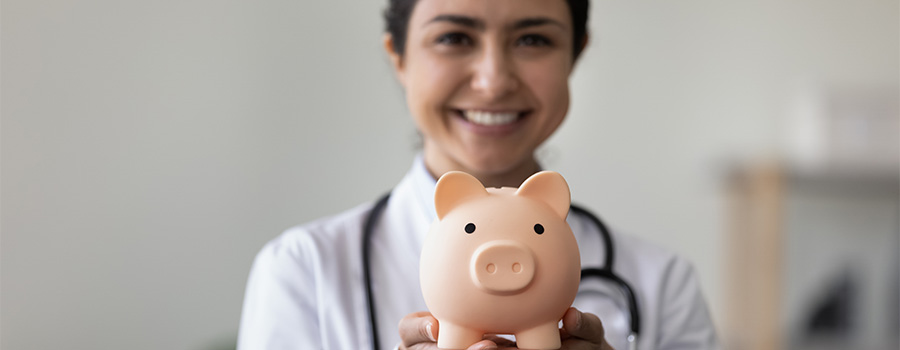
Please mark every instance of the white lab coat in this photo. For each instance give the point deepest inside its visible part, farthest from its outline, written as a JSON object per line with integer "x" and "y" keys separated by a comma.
{"x": 306, "y": 289}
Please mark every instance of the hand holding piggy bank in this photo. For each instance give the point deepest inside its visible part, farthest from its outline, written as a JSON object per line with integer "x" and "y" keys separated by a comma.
{"x": 500, "y": 261}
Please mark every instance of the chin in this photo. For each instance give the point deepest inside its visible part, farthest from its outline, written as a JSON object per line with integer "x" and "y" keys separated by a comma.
{"x": 495, "y": 164}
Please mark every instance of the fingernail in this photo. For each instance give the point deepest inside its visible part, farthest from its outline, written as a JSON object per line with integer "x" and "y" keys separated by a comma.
{"x": 578, "y": 317}
{"x": 489, "y": 347}
{"x": 430, "y": 333}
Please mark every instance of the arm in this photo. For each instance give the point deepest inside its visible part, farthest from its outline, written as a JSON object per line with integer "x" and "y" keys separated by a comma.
{"x": 684, "y": 317}
{"x": 280, "y": 301}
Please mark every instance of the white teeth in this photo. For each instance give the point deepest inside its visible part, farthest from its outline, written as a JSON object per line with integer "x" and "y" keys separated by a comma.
{"x": 488, "y": 118}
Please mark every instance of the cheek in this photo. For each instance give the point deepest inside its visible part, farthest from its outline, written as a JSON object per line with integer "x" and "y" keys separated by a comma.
{"x": 548, "y": 79}
{"x": 551, "y": 89}
{"x": 432, "y": 82}
{"x": 427, "y": 94}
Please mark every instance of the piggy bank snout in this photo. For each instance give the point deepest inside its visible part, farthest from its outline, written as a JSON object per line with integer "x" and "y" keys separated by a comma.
{"x": 502, "y": 267}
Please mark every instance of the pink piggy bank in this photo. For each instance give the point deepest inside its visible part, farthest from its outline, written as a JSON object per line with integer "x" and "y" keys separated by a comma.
{"x": 500, "y": 261}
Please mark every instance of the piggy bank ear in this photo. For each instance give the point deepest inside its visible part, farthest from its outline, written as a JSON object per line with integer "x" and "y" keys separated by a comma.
{"x": 548, "y": 187}
{"x": 454, "y": 188}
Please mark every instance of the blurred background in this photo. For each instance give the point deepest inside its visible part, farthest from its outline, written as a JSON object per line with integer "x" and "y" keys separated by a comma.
{"x": 150, "y": 148}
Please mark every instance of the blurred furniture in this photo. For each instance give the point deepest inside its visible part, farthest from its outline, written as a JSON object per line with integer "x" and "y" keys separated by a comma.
{"x": 812, "y": 257}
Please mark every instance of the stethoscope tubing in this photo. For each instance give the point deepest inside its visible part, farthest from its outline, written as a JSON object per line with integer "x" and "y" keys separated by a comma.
{"x": 605, "y": 272}
{"x": 368, "y": 230}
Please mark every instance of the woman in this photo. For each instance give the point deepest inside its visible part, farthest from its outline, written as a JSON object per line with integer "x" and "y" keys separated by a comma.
{"x": 486, "y": 83}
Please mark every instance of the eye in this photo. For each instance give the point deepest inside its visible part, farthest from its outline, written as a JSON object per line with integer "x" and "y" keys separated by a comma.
{"x": 454, "y": 39}
{"x": 538, "y": 228}
{"x": 533, "y": 40}
{"x": 470, "y": 227}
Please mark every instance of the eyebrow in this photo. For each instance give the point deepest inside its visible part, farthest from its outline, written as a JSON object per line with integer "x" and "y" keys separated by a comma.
{"x": 537, "y": 21}
{"x": 465, "y": 21}
{"x": 476, "y": 23}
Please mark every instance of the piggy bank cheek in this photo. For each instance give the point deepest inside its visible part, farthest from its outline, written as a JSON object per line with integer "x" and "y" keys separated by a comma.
{"x": 446, "y": 252}
{"x": 558, "y": 259}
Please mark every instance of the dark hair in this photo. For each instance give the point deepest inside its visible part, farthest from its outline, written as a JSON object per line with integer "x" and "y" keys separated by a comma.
{"x": 397, "y": 15}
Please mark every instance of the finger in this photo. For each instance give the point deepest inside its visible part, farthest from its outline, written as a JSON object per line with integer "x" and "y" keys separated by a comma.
{"x": 563, "y": 335}
{"x": 581, "y": 344}
{"x": 500, "y": 341}
{"x": 418, "y": 327}
{"x": 583, "y": 325}
{"x": 483, "y": 345}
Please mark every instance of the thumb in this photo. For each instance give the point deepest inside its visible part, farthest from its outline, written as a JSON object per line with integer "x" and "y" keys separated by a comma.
{"x": 584, "y": 325}
{"x": 419, "y": 327}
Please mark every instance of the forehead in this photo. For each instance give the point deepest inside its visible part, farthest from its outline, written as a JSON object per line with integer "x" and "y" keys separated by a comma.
{"x": 494, "y": 13}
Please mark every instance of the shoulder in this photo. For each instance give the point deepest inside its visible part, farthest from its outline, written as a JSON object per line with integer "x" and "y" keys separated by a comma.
{"x": 634, "y": 256}
{"x": 291, "y": 282}
{"x": 671, "y": 277}
{"x": 669, "y": 293}
{"x": 652, "y": 266}
{"x": 633, "y": 249}
{"x": 318, "y": 238}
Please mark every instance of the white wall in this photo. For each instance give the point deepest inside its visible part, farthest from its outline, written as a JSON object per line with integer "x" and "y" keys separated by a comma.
{"x": 673, "y": 91}
{"x": 150, "y": 148}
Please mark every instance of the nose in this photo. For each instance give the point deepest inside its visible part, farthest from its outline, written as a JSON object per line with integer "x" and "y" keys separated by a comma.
{"x": 494, "y": 74}
{"x": 502, "y": 267}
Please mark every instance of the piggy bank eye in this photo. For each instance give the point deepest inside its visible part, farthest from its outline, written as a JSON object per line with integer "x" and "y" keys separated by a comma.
{"x": 538, "y": 228}
{"x": 470, "y": 227}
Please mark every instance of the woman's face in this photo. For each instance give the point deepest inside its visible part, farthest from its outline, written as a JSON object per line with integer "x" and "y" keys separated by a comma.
{"x": 486, "y": 81}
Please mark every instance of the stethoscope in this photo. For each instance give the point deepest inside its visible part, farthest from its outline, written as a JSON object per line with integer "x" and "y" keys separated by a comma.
{"x": 604, "y": 272}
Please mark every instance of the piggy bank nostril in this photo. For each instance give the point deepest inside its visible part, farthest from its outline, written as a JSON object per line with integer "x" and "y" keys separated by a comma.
{"x": 517, "y": 267}
{"x": 491, "y": 268}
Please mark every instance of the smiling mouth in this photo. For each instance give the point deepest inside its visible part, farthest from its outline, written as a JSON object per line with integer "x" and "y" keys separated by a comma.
{"x": 486, "y": 118}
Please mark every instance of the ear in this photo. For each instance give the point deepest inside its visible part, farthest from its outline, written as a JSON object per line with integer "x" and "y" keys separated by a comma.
{"x": 548, "y": 187}
{"x": 396, "y": 58}
{"x": 584, "y": 43}
{"x": 453, "y": 189}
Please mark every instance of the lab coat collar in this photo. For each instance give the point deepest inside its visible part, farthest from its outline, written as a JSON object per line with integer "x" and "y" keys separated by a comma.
{"x": 410, "y": 212}
{"x": 423, "y": 184}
